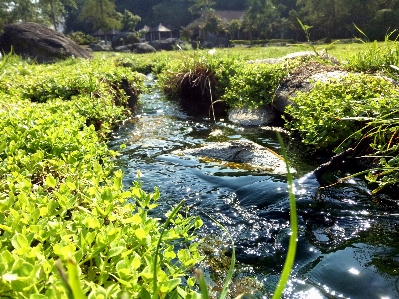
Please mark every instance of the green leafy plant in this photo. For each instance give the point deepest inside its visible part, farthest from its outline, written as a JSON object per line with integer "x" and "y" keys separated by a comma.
{"x": 321, "y": 115}
{"x": 62, "y": 199}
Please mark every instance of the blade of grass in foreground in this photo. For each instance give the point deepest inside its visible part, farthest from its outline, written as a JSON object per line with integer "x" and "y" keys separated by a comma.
{"x": 289, "y": 261}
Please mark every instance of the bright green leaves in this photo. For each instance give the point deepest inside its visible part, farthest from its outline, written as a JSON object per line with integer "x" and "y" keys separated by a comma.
{"x": 330, "y": 115}
{"x": 51, "y": 181}
{"x": 61, "y": 197}
{"x": 253, "y": 85}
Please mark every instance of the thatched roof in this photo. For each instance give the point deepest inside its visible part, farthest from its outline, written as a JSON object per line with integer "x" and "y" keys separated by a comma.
{"x": 229, "y": 15}
{"x": 99, "y": 32}
{"x": 145, "y": 28}
{"x": 160, "y": 28}
{"x": 113, "y": 32}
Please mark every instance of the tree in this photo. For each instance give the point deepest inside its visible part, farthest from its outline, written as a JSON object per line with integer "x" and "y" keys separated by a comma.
{"x": 129, "y": 21}
{"x": 55, "y": 10}
{"x": 259, "y": 18}
{"x": 325, "y": 15}
{"x": 233, "y": 28}
{"x": 100, "y": 14}
{"x": 201, "y": 6}
{"x": 173, "y": 13}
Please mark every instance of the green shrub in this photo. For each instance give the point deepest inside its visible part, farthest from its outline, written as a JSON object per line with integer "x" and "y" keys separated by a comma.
{"x": 61, "y": 198}
{"x": 333, "y": 114}
{"x": 253, "y": 85}
{"x": 82, "y": 38}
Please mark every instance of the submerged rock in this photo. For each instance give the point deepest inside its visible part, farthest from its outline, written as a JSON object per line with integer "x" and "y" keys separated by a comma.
{"x": 245, "y": 154}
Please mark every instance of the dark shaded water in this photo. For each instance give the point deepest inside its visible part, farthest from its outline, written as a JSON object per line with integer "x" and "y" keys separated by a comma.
{"x": 348, "y": 244}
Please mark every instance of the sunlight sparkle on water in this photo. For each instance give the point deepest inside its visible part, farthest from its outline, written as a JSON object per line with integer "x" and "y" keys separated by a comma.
{"x": 354, "y": 271}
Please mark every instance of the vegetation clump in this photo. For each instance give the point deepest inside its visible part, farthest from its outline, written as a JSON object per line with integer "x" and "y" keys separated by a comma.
{"x": 62, "y": 203}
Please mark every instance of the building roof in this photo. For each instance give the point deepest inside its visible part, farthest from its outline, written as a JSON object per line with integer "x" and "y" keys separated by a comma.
{"x": 145, "y": 28}
{"x": 229, "y": 15}
{"x": 99, "y": 32}
{"x": 113, "y": 32}
{"x": 160, "y": 28}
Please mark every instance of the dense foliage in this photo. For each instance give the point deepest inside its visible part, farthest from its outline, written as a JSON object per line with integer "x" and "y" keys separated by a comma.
{"x": 63, "y": 203}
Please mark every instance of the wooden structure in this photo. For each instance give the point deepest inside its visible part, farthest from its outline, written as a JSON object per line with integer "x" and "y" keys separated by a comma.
{"x": 160, "y": 32}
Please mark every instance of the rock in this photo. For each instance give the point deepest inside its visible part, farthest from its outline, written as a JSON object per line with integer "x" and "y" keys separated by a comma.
{"x": 301, "y": 80}
{"x": 31, "y": 40}
{"x": 168, "y": 44}
{"x": 124, "y": 38}
{"x": 253, "y": 117}
{"x": 142, "y": 48}
{"x": 100, "y": 47}
{"x": 244, "y": 154}
{"x": 124, "y": 49}
{"x": 303, "y": 54}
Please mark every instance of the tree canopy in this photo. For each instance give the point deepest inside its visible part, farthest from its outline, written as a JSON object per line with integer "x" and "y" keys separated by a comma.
{"x": 264, "y": 19}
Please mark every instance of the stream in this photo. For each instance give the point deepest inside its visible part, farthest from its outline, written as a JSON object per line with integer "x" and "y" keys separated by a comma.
{"x": 348, "y": 245}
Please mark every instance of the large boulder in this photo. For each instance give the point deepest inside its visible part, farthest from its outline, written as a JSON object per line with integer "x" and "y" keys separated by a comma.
{"x": 302, "y": 79}
{"x": 166, "y": 44}
{"x": 142, "y": 48}
{"x": 31, "y": 40}
{"x": 243, "y": 154}
{"x": 101, "y": 46}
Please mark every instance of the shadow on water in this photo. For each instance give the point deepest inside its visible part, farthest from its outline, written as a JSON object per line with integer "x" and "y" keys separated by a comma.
{"x": 348, "y": 244}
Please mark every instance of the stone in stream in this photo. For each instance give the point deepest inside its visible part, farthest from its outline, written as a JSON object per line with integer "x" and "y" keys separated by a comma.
{"x": 244, "y": 154}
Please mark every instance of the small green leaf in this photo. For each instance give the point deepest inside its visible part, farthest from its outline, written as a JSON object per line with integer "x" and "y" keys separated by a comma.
{"x": 19, "y": 241}
{"x": 51, "y": 181}
{"x": 115, "y": 251}
{"x": 140, "y": 233}
{"x": 136, "y": 263}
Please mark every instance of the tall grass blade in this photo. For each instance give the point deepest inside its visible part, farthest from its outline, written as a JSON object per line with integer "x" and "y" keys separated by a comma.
{"x": 289, "y": 261}
{"x": 202, "y": 284}
{"x": 364, "y": 34}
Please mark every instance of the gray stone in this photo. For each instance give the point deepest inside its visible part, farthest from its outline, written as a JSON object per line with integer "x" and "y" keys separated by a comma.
{"x": 303, "y": 79}
{"x": 168, "y": 44}
{"x": 31, "y": 40}
{"x": 253, "y": 117}
{"x": 100, "y": 47}
{"x": 122, "y": 48}
{"x": 142, "y": 48}
{"x": 245, "y": 154}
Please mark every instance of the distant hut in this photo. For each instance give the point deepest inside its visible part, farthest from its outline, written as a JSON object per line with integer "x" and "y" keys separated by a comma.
{"x": 111, "y": 34}
{"x": 145, "y": 32}
{"x": 160, "y": 32}
{"x": 100, "y": 34}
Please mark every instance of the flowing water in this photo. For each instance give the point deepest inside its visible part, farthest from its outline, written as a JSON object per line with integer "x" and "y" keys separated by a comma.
{"x": 348, "y": 245}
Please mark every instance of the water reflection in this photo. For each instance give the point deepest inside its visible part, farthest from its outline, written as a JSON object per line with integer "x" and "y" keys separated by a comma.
{"x": 347, "y": 246}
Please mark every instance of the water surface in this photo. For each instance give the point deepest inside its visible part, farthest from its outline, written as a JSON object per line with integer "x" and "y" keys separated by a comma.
{"x": 348, "y": 239}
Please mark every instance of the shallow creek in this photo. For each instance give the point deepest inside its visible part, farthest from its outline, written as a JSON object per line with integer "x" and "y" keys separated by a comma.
{"x": 348, "y": 244}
